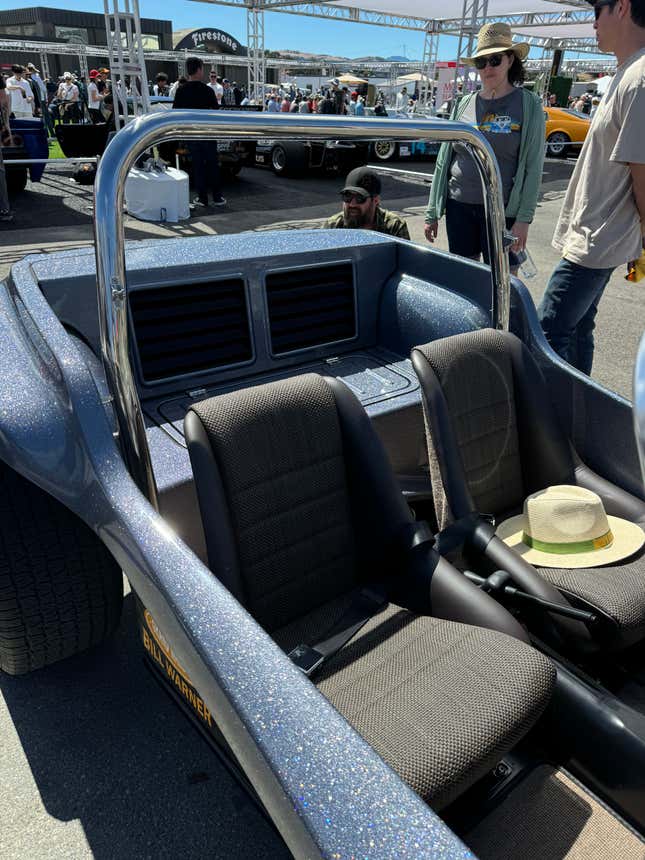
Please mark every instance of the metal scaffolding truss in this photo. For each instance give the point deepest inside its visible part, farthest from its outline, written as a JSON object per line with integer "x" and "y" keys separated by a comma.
{"x": 517, "y": 22}
{"x": 126, "y": 60}
{"x": 430, "y": 50}
{"x": 338, "y": 13}
{"x": 545, "y": 63}
{"x": 256, "y": 61}
{"x": 408, "y": 22}
{"x": 99, "y": 51}
{"x": 473, "y": 10}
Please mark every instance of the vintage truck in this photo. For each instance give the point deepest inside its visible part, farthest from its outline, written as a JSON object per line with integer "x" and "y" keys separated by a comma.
{"x": 297, "y": 344}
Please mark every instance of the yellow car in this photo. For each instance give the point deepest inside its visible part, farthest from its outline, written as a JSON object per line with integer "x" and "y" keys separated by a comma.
{"x": 564, "y": 127}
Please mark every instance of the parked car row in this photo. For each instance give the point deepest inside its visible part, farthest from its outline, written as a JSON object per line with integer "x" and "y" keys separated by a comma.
{"x": 565, "y": 129}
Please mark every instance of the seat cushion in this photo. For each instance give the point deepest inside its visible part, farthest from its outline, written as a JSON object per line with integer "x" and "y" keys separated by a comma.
{"x": 618, "y": 591}
{"x": 440, "y": 702}
{"x": 280, "y": 458}
{"x": 476, "y": 377}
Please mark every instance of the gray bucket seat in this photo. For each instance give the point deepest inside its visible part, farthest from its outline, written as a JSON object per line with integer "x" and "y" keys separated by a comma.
{"x": 493, "y": 438}
{"x": 301, "y": 511}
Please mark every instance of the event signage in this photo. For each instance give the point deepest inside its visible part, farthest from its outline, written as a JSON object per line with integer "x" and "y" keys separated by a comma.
{"x": 211, "y": 41}
{"x": 445, "y": 82}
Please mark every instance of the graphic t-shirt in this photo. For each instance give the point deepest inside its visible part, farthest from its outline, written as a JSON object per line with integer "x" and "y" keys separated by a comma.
{"x": 500, "y": 121}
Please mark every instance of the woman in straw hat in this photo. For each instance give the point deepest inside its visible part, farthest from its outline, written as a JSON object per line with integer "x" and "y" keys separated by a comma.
{"x": 512, "y": 120}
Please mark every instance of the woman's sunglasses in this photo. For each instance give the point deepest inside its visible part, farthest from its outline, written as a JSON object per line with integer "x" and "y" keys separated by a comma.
{"x": 598, "y": 7}
{"x": 494, "y": 60}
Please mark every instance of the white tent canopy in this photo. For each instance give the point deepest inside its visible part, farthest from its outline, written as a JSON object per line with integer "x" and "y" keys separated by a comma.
{"x": 439, "y": 10}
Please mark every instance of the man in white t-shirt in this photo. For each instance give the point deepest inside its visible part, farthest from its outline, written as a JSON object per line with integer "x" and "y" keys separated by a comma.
{"x": 215, "y": 83}
{"x": 602, "y": 222}
{"x": 22, "y": 97}
{"x": 402, "y": 99}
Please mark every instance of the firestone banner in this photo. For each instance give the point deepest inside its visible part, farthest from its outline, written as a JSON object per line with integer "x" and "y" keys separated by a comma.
{"x": 212, "y": 41}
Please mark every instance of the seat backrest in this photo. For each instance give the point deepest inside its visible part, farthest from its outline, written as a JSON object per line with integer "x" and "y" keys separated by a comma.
{"x": 493, "y": 436}
{"x": 283, "y": 498}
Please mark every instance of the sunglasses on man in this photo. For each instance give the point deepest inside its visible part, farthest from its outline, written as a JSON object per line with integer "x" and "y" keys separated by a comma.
{"x": 493, "y": 60}
{"x": 350, "y": 196}
{"x": 598, "y": 7}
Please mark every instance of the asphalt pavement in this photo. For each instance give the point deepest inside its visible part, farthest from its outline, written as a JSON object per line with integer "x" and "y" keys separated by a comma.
{"x": 96, "y": 761}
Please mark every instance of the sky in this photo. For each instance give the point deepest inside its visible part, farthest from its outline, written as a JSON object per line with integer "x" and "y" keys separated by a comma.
{"x": 282, "y": 31}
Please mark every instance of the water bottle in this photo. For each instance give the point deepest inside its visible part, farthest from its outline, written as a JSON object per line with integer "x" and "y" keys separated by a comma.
{"x": 528, "y": 269}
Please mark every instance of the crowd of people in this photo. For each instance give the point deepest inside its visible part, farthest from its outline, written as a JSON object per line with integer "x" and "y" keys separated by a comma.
{"x": 330, "y": 99}
{"x": 67, "y": 99}
{"x": 586, "y": 103}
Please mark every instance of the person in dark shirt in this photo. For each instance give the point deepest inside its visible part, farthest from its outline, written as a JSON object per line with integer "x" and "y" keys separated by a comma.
{"x": 196, "y": 95}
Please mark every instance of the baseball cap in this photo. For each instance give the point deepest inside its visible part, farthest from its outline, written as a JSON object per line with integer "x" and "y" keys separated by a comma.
{"x": 94, "y": 73}
{"x": 363, "y": 181}
{"x": 33, "y": 68}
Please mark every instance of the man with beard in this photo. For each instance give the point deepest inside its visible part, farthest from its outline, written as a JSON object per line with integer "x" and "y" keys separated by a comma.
{"x": 361, "y": 206}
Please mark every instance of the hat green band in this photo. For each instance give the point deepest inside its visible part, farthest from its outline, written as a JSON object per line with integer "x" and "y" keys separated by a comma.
{"x": 569, "y": 548}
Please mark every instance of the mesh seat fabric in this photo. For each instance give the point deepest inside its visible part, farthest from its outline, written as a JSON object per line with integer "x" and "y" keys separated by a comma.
{"x": 617, "y": 590}
{"x": 492, "y": 410}
{"x": 279, "y": 453}
{"x": 440, "y": 702}
{"x": 477, "y": 383}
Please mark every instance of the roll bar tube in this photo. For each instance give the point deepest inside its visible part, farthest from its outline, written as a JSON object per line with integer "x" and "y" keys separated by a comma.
{"x": 639, "y": 403}
{"x": 143, "y": 132}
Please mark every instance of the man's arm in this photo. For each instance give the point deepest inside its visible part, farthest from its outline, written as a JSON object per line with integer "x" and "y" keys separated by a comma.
{"x": 638, "y": 185}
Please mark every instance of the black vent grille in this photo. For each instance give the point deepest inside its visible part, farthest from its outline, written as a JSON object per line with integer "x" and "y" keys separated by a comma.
{"x": 311, "y": 307}
{"x": 187, "y": 328}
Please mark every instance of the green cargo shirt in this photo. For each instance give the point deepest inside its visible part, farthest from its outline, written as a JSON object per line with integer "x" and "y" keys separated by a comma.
{"x": 385, "y": 222}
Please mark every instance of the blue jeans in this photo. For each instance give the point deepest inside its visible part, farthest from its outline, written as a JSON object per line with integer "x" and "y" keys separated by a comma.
{"x": 568, "y": 311}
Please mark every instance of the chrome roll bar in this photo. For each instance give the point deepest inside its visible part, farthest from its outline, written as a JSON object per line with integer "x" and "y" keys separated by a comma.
{"x": 639, "y": 404}
{"x": 142, "y": 133}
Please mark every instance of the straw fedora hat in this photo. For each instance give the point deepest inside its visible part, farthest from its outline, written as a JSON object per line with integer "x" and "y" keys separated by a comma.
{"x": 567, "y": 527}
{"x": 495, "y": 38}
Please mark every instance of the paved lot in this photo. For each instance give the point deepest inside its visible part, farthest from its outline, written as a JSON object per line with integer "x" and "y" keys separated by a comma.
{"x": 95, "y": 759}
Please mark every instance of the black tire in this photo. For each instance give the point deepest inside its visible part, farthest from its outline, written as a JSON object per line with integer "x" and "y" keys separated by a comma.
{"x": 558, "y": 144}
{"x": 385, "y": 150}
{"x": 16, "y": 178}
{"x": 288, "y": 159}
{"x": 61, "y": 591}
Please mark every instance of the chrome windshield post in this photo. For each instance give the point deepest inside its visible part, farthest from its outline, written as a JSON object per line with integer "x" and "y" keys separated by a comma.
{"x": 639, "y": 404}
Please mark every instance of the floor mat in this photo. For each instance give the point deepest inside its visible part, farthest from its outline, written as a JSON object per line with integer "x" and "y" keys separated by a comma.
{"x": 550, "y": 817}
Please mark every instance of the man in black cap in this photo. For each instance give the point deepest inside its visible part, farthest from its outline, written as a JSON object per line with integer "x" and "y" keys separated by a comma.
{"x": 361, "y": 206}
